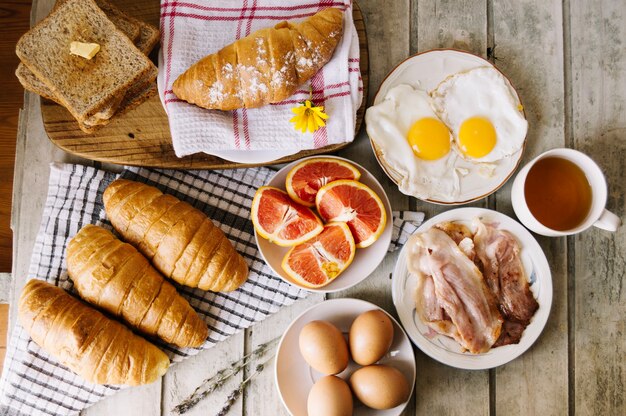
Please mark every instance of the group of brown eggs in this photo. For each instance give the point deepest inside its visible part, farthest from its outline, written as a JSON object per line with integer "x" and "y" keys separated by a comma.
{"x": 325, "y": 349}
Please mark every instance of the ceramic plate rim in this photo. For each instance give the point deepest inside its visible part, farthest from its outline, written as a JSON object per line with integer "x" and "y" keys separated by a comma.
{"x": 479, "y": 361}
{"x": 252, "y": 156}
{"x": 383, "y": 240}
{"x": 407, "y": 61}
{"x": 327, "y": 304}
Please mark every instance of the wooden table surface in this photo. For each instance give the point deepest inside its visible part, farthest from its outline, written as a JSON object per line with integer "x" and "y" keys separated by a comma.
{"x": 15, "y": 17}
{"x": 567, "y": 60}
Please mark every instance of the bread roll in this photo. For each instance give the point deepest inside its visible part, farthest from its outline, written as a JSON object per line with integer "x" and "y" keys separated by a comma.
{"x": 117, "y": 278}
{"x": 265, "y": 67}
{"x": 97, "y": 348}
{"x": 179, "y": 240}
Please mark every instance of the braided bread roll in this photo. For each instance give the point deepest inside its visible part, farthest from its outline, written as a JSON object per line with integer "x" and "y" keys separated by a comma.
{"x": 181, "y": 242}
{"x": 117, "y": 278}
{"x": 265, "y": 67}
{"x": 97, "y": 348}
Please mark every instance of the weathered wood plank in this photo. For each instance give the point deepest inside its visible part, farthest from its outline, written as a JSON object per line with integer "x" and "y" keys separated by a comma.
{"x": 461, "y": 25}
{"x": 389, "y": 40}
{"x": 261, "y": 397}
{"x": 34, "y": 153}
{"x": 388, "y": 34}
{"x": 449, "y": 24}
{"x": 183, "y": 378}
{"x": 33, "y": 156}
{"x": 598, "y": 58}
{"x": 529, "y": 50}
{"x": 131, "y": 401}
{"x": 16, "y": 19}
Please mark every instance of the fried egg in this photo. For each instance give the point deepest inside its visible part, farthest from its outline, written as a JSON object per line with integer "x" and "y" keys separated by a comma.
{"x": 484, "y": 115}
{"x": 415, "y": 145}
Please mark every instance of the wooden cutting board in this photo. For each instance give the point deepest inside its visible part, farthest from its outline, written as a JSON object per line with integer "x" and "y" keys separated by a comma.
{"x": 141, "y": 137}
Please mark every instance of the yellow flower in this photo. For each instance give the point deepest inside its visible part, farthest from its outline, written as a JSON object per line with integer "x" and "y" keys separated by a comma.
{"x": 308, "y": 118}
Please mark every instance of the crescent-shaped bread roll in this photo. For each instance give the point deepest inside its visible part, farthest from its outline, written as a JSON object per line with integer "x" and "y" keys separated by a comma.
{"x": 265, "y": 67}
{"x": 97, "y": 348}
{"x": 117, "y": 278}
{"x": 179, "y": 240}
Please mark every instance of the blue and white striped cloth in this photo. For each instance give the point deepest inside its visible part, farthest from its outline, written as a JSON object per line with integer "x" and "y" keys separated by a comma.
{"x": 34, "y": 383}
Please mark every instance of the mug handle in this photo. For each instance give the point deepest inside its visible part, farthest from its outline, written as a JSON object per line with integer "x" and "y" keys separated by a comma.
{"x": 608, "y": 221}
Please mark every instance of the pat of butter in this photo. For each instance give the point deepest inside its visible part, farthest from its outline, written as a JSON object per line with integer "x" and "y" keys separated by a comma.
{"x": 86, "y": 50}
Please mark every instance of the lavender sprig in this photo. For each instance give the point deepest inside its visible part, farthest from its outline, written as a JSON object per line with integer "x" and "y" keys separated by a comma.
{"x": 220, "y": 378}
{"x": 235, "y": 394}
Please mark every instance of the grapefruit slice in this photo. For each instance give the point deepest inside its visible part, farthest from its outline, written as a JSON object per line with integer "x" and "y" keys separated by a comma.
{"x": 307, "y": 177}
{"x": 318, "y": 261}
{"x": 355, "y": 204}
{"x": 282, "y": 221}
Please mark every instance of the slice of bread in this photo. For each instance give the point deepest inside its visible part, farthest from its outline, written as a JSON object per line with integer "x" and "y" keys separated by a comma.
{"x": 130, "y": 27}
{"x": 130, "y": 95}
{"x": 127, "y": 104}
{"x": 142, "y": 90}
{"x": 30, "y": 82}
{"x": 83, "y": 86}
{"x": 148, "y": 37}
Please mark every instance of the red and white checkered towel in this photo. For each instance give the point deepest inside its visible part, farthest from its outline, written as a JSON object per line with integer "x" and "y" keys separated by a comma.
{"x": 192, "y": 29}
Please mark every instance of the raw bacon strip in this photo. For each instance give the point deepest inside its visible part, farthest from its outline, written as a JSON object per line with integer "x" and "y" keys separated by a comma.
{"x": 457, "y": 232}
{"x": 461, "y": 235}
{"x": 459, "y": 288}
{"x": 499, "y": 253}
{"x": 430, "y": 311}
{"x": 511, "y": 333}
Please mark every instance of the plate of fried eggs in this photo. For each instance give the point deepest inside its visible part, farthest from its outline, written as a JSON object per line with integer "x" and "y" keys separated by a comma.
{"x": 447, "y": 127}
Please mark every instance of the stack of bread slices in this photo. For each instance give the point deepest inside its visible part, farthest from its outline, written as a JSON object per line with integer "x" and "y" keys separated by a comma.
{"x": 118, "y": 77}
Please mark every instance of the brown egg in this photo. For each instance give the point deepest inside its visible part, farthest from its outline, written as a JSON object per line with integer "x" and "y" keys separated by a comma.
{"x": 371, "y": 335}
{"x": 323, "y": 347}
{"x": 330, "y": 396}
{"x": 380, "y": 386}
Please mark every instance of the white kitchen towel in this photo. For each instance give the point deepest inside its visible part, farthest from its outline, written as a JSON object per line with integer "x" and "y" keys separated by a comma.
{"x": 193, "y": 29}
{"x": 34, "y": 383}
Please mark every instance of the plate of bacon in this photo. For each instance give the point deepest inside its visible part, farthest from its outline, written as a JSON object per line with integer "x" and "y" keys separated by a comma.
{"x": 472, "y": 288}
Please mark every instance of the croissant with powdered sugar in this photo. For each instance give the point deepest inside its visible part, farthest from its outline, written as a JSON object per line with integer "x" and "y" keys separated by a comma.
{"x": 265, "y": 67}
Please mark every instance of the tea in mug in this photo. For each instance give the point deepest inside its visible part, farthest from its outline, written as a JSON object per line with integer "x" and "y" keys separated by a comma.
{"x": 558, "y": 193}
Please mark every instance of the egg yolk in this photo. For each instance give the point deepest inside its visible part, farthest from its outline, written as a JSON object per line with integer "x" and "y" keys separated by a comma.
{"x": 429, "y": 138}
{"x": 477, "y": 137}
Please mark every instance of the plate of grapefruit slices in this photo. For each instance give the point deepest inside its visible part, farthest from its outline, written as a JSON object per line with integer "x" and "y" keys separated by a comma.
{"x": 322, "y": 223}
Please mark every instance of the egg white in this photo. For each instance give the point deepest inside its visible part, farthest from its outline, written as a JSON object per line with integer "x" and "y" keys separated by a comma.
{"x": 482, "y": 92}
{"x": 388, "y": 124}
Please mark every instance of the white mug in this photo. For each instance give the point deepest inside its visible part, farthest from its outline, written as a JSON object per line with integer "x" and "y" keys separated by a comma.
{"x": 598, "y": 216}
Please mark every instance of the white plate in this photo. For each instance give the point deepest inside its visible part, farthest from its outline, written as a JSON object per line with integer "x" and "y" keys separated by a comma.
{"x": 448, "y": 351}
{"x": 294, "y": 377}
{"x": 426, "y": 70}
{"x": 365, "y": 260}
{"x": 252, "y": 156}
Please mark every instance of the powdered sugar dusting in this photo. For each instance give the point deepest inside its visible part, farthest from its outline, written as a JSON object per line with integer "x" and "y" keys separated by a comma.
{"x": 279, "y": 75}
{"x": 265, "y": 78}
{"x": 261, "y": 52}
{"x": 254, "y": 80}
{"x": 216, "y": 92}
{"x": 227, "y": 71}
{"x": 305, "y": 62}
